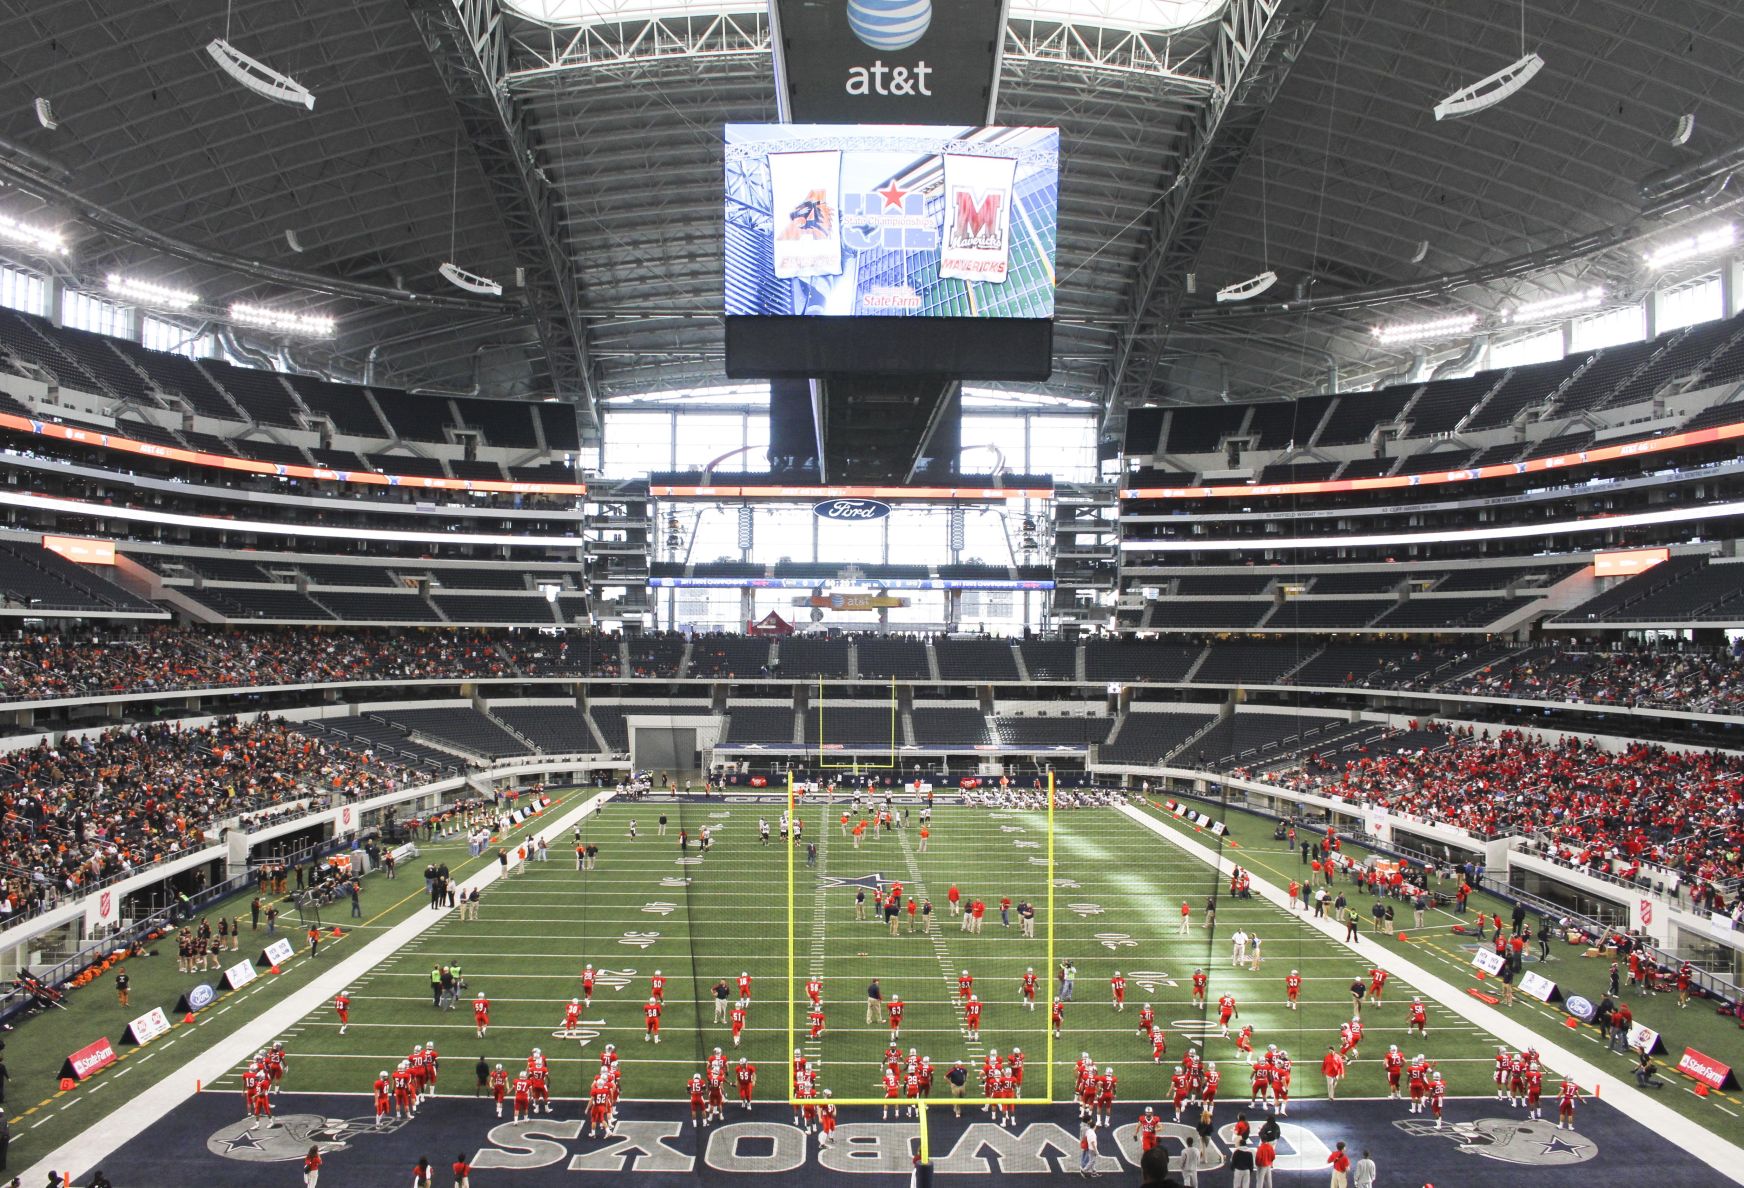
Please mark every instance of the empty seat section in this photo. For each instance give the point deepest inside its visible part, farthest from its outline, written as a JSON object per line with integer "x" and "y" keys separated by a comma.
{"x": 1198, "y": 429}
{"x": 1026, "y": 731}
{"x": 1525, "y": 387}
{"x": 95, "y": 355}
{"x": 975, "y": 659}
{"x": 1366, "y": 468}
{"x": 1200, "y": 584}
{"x": 1138, "y": 660}
{"x": 1050, "y": 660}
{"x": 831, "y": 724}
{"x": 562, "y": 434}
{"x": 655, "y": 655}
{"x": 1432, "y": 613}
{"x": 1386, "y": 664}
{"x": 1355, "y": 581}
{"x": 1594, "y": 386}
{"x": 1445, "y": 403}
{"x": 506, "y": 424}
{"x": 1327, "y": 613}
{"x": 740, "y": 656}
{"x": 262, "y": 394}
{"x": 1281, "y": 424}
{"x": 20, "y": 337}
{"x": 1243, "y": 662}
{"x": 407, "y": 464}
{"x": 1146, "y": 737}
{"x": 458, "y": 726}
{"x": 770, "y": 725}
{"x": 903, "y": 659}
{"x": 413, "y": 418}
{"x": 799, "y": 656}
{"x": 1358, "y": 413}
{"x": 484, "y": 608}
{"x": 33, "y": 576}
{"x": 272, "y": 451}
{"x": 1186, "y": 614}
{"x": 949, "y": 726}
{"x": 346, "y": 405}
{"x": 481, "y": 578}
{"x": 554, "y": 729}
{"x": 476, "y": 470}
{"x": 1679, "y": 360}
{"x": 1298, "y": 472}
{"x": 238, "y": 602}
{"x": 370, "y": 606}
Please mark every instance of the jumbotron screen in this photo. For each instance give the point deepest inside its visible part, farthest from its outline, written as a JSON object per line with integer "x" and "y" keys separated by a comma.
{"x": 857, "y": 221}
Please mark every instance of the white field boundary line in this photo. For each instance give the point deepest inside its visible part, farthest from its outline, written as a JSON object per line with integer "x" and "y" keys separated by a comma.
{"x": 1723, "y": 1156}
{"x": 94, "y": 1145}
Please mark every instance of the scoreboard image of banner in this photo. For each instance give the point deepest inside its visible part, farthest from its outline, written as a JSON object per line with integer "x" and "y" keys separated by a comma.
{"x": 858, "y": 221}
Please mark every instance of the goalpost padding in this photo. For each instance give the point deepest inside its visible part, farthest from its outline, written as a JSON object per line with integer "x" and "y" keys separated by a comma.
{"x": 793, "y": 989}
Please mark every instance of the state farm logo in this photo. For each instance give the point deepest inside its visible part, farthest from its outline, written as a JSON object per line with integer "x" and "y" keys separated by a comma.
{"x": 92, "y": 1060}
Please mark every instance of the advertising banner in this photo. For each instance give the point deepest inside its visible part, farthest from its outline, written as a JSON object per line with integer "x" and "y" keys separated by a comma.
{"x": 277, "y": 953}
{"x": 1706, "y": 1069}
{"x": 977, "y": 242}
{"x": 1536, "y": 985}
{"x": 1488, "y": 960}
{"x": 147, "y": 1027}
{"x": 805, "y": 193}
{"x": 91, "y": 1058}
{"x": 240, "y": 975}
{"x": 1644, "y": 1039}
{"x": 889, "y": 61}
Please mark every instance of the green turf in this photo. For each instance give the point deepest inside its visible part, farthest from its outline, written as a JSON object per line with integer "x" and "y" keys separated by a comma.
{"x": 536, "y": 931}
{"x": 43, "y": 1117}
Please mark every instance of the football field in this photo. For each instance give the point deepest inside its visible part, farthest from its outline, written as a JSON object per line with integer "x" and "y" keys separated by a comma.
{"x": 698, "y": 918}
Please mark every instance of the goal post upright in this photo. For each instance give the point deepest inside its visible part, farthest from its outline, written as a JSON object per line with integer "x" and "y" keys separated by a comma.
{"x": 1051, "y": 967}
{"x": 791, "y": 988}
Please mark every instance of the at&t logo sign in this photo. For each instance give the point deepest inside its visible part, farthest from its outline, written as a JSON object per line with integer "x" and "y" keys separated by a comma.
{"x": 889, "y": 26}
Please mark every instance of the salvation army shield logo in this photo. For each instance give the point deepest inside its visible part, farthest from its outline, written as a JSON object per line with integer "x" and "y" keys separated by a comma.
{"x": 105, "y": 904}
{"x": 291, "y": 1136}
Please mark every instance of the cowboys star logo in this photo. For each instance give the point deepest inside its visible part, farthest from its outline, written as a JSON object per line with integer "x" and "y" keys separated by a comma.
{"x": 1529, "y": 1141}
{"x": 870, "y": 882}
{"x": 291, "y": 1135}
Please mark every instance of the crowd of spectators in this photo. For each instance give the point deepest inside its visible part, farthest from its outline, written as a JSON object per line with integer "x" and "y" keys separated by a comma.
{"x": 1699, "y": 682}
{"x": 102, "y": 806}
{"x": 1614, "y": 812}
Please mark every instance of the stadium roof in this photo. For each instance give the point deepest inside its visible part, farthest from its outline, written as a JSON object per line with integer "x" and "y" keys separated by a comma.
{"x": 576, "y": 159}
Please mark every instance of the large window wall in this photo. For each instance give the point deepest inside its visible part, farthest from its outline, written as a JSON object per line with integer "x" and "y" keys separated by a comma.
{"x": 1060, "y": 443}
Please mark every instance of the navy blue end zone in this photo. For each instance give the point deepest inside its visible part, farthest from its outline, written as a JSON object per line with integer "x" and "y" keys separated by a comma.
{"x": 206, "y": 1141}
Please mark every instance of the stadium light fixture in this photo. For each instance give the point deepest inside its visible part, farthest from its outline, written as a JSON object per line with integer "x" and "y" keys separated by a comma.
{"x": 146, "y": 293}
{"x": 1549, "y": 307}
{"x": 1487, "y": 92}
{"x": 1450, "y": 327}
{"x": 37, "y": 239}
{"x": 1706, "y": 244}
{"x": 282, "y": 320}
{"x": 258, "y": 77}
{"x": 1253, "y": 286}
{"x": 460, "y": 278}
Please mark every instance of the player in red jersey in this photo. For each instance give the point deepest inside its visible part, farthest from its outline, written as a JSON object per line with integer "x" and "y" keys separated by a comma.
{"x": 1292, "y": 989}
{"x": 275, "y": 1066}
{"x": 814, "y": 990}
{"x": 540, "y": 1083}
{"x": 892, "y": 1090}
{"x": 1261, "y": 1084}
{"x": 1418, "y": 1020}
{"x": 896, "y": 1009}
{"x": 571, "y": 1015}
{"x": 738, "y": 1017}
{"x": 965, "y": 985}
{"x": 1349, "y": 1036}
{"x": 1226, "y": 1010}
{"x": 1417, "y": 1082}
{"x": 1534, "y": 1091}
{"x": 499, "y": 1087}
{"x": 1180, "y": 1085}
{"x": 523, "y": 1097}
{"x": 1394, "y": 1064}
{"x": 1504, "y": 1066}
{"x": 1244, "y": 1042}
{"x": 826, "y": 1122}
{"x": 745, "y": 1076}
{"x": 599, "y": 1108}
{"x": 1332, "y": 1068}
{"x": 481, "y": 1014}
{"x": 1377, "y": 985}
{"x": 1281, "y": 1069}
{"x": 698, "y": 1111}
{"x": 405, "y": 1091}
{"x": 1059, "y": 1017}
{"x": 1014, "y": 1067}
{"x": 1517, "y": 1079}
{"x": 657, "y": 987}
{"x": 972, "y": 1017}
{"x": 587, "y": 981}
{"x": 1159, "y": 1045}
{"x": 342, "y": 1004}
{"x": 1437, "y": 1096}
{"x": 1199, "y": 988}
{"x": 651, "y": 1021}
{"x": 717, "y": 1095}
{"x": 1117, "y": 988}
{"x": 816, "y": 1018}
{"x": 1209, "y": 1081}
{"x": 384, "y": 1098}
{"x": 1147, "y": 1019}
{"x": 745, "y": 986}
{"x": 1146, "y": 1130}
{"x": 1029, "y": 988}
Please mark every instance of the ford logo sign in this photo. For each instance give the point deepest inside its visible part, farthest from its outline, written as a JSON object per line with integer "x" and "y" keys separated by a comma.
{"x": 200, "y": 997}
{"x": 851, "y": 509}
{"x": 1580, "y": 1007}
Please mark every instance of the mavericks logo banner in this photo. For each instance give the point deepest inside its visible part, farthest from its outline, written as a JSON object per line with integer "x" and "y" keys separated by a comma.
{"x": 806, "y": 193}
{"x": 977, "y": 242}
